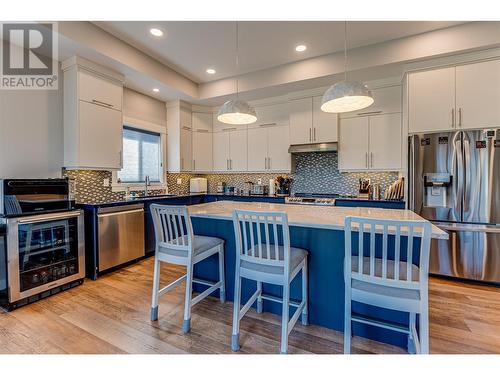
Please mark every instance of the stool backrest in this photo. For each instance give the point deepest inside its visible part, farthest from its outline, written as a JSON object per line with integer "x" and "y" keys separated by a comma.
{"x": 375, "y": 263}
{"x": 173, "y": 227}
{"x": 258, "y": 237}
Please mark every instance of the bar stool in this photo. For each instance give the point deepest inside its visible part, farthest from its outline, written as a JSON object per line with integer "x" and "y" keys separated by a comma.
{"x": 260, "y": 257}
{"x": 373, "y": 278}
{"x": 176, "y": 244}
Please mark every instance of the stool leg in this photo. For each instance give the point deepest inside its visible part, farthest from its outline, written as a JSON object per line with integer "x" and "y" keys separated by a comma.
{"x": 284, "y": 318}
{"x": 305, "y": 316}
{"x": 222, "y": 278}
{"x": 186, "y": 325}
{"x": 156, "y": 287}
{"x": 259, "y": 299}
{"x": 411, "y": 346}
{"x": 424, "y": 330}
{"x": 347, "y": 321}
{"x": 235, "y": 338}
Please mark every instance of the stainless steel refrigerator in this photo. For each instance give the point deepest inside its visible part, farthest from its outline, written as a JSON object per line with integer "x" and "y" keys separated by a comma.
{"x": 454, "y": 181}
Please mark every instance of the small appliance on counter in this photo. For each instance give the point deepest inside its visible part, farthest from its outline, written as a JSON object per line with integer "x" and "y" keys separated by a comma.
{"x": 365, "y": 188}
{"x": 221, "y": 187}
{"x": 42, "y": 245}
{"x": 272, "y": 186}
{"x": 260, "y": 189}
{"x": 198, "y": 185}
{"x": 247, "y": 188}
{"x": 229, "y": 190}
{"x": 283, "y": 186}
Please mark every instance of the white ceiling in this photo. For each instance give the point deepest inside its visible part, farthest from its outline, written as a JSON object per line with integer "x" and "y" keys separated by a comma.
{"x": 192, "y": 47}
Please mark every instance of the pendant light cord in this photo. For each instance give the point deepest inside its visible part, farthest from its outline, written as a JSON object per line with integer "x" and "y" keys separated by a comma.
{"x": 237, "y": 60}
{"x": 345, "y": 50}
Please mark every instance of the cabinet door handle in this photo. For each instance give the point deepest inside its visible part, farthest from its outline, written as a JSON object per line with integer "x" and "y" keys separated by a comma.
{"x": 231, "y": 164}
{"x": 265, "y": 163}
{"x": 366, "y": 159}
{"x": 102, "y": 103}
{"x": 310, "y": 134}
{"x": 228, "y": 129}
{"x": 227, "y": 164}
{"x": 314, "y": 134}
{"x": 269, "y": 163}
{"x": 194, "y": 164}
{"x": 371, "y": 154}
{"x": 121, "y": 158}
{"x": 453, "y": 117}
{"x": 182, "y": 163}
{"x": 460, "y": 117}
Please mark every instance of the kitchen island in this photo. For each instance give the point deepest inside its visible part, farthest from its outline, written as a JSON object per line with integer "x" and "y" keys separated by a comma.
{"x": 319, "y": 230}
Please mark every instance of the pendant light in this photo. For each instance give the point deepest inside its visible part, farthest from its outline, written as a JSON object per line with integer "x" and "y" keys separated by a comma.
{"x": 237, "y": 112}
{"x": 346, "y": 96}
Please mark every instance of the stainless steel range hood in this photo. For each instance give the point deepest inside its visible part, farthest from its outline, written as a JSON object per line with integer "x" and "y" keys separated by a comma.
{"x": 316, "y": 147}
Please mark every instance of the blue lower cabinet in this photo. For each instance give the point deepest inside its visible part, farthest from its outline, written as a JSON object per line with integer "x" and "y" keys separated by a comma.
{"x": 396, "y": 205}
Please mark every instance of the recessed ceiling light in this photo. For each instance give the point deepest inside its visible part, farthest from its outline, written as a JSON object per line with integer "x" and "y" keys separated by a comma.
{"x": 211, "y": 71}
{"x": 156, "y": 32}
{"x": 300, "y": 48}
{"x": 156, "y": 90}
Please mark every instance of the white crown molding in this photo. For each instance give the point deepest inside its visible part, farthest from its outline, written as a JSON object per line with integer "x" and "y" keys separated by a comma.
{"x": 92, "y": 67}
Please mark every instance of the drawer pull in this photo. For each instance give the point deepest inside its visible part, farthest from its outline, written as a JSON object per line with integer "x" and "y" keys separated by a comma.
{"x": 102, "y": 103}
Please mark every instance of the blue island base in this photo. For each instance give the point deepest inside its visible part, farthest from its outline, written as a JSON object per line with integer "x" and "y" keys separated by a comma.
{"x": 326, "y": 280}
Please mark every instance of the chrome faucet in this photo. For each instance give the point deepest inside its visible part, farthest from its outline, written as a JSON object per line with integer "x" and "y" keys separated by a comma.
{"x": 146, "y": 184}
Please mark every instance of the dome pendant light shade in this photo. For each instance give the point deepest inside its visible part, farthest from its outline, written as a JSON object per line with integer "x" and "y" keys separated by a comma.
{"x": 346, "y": 96}
{"x": 236, "y": 112}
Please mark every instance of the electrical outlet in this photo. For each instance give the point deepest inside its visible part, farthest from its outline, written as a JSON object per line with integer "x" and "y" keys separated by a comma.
{"x": 259, "y": 181}
{"x": 105, "y": 182}
{"x": 179, "y": 181}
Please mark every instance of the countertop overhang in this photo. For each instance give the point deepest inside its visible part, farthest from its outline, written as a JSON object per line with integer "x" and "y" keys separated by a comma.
{"x": 322, "y": 217}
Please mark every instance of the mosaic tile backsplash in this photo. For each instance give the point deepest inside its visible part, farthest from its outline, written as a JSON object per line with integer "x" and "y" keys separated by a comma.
{"x": 315, "y": 173}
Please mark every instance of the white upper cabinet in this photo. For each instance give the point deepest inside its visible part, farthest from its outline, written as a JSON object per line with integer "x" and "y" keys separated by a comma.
{"x": 278, "y": 144}
{"x": 202, "y": 121}
{"x": 309, "y": 124}
{"x": 99, "y": 90}
{"x": 186, "y": 150}
{"x": 385, "y": 142}
{"x": 100, "y": 137}
{"x": 274, "y": 114}
{"x": 202, "y": 151}
{"x": 301, "y": 120}
{"x": 431, "y": 100}
{"x": 478, "y": 95}
{"x": 230, "y": 151}
{"x": 354, "y": 144}
{"x": 238, "y": 143}
{"x": 257, "y": 149}
{"x": 220, "y": 151}
{"x": 325, "y": 125}
{"x": 92, "y": 116}
{"x": 268, "y": 148}
{"x": 386, "y": 100}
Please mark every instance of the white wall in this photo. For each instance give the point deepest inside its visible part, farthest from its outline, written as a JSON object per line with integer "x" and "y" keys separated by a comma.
{"x": 143, "y": 107}
{"x": 31, "y": 133}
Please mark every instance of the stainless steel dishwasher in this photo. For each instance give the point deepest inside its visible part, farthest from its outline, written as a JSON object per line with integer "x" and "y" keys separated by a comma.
{"x": 121, "y": 235}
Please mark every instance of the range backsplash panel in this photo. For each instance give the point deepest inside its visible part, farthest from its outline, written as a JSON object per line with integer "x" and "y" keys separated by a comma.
{"x": 318, "y": 173}
{"x": 315, "y": 173}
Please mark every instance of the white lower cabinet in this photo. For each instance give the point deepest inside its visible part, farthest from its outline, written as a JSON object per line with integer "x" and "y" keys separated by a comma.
{"x": 268, "y": 148}
{"x": 230, "y": 150}
{"x": 202, "y": 151}
{"x": 370, "y": 143}
{"x": 100, "y": 137}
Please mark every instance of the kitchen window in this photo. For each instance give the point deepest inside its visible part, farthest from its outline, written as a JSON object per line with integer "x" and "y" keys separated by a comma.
{"x": 143, "y": 155}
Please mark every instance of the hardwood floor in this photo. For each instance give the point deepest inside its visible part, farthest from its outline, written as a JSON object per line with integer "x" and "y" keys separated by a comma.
{"x": 111, "y": 315}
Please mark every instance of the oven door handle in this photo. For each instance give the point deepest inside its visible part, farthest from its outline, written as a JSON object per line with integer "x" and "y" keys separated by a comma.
{"x": 49, "y": 217}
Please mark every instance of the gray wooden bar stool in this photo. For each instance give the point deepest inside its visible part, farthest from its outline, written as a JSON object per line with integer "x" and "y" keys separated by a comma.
{"x": 263, "y": 254}
{"x": 391, "y": 281}
{"x": 176, "y": 244}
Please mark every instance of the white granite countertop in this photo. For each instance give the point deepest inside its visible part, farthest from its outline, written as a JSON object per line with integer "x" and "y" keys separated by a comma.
{"x": 330, "y": 217}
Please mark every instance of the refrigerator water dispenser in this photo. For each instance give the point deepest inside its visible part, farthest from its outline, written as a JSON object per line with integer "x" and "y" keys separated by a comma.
{"x": 436, "y": 189}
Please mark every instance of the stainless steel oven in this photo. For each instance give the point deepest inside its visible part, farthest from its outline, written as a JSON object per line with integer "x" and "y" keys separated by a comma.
{"x": 43, "y": 252}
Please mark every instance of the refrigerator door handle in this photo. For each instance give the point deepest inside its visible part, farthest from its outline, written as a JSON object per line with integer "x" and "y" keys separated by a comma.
{"x": 411, "y": 172}
{"x": 467, "y": 176}
{"x": 458, "y": 165}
